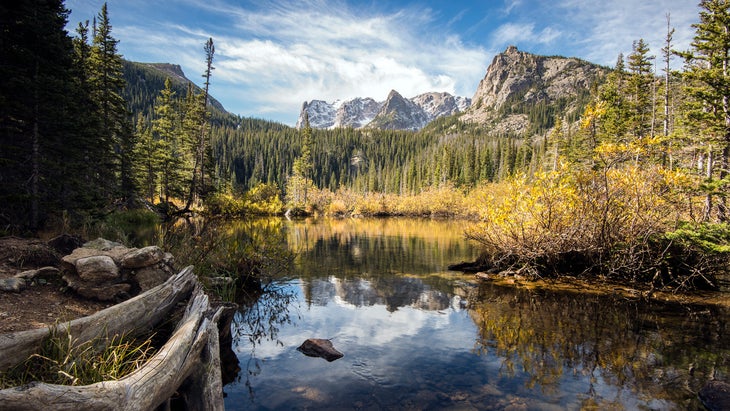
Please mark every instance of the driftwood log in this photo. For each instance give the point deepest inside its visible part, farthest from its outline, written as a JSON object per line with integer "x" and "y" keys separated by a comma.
{"x": 190, "y": 358}
{"x": 136, "y": 315}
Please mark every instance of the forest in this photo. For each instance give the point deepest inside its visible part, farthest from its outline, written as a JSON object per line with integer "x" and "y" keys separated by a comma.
{"x": 635, "y": 188}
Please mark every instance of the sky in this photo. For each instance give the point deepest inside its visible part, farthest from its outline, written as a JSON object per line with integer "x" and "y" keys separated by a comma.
{"x": 271, "y": 56}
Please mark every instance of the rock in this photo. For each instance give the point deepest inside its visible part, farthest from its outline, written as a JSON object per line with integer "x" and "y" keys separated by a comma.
{"x": 481, "y": 275}
{"x": 151, "y": 277}
{"x": 96, "y": 291}
{"x": 98, "y": 268}
{"x": 102, "y": 244}
{"x": 319, "y": 347}
{"x": 715, "y": 395}
{"x": 44, "y": 273}
{"x": 144, "y": 257}
{"x": 12, "y": 284}
{"x": 168, "y": 259}
{"x": 116, "y": 253}
{"x": 65, "y": 243}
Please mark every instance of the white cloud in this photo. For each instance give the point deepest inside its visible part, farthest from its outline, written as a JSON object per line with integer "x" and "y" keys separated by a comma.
{"x": 273, "y": 55}
{"x": 603, "y": 29}
{"x": 289, "y": 53}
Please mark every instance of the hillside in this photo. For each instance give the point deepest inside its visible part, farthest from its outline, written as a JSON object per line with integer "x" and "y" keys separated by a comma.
{"x": 399, "y": 145}
{"x": 521, "y": 93}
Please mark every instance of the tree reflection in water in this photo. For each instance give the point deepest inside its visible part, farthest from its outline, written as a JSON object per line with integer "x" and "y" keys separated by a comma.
{"x": 618, "y": 342}
{"x": 260, "y": 316}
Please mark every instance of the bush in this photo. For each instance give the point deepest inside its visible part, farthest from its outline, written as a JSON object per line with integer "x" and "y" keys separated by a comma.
{"x": 604, "y": 222}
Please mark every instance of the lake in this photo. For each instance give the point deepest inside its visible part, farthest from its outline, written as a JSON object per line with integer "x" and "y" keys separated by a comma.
{"x": 418, "y": 336}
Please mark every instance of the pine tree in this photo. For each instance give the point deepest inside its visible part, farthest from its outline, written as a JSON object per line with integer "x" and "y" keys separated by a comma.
{"x": 107, "y": 83}
{"x": 299, "y": 182}
{"x": 639, "y": 88}
{"x": 166, "y": 132}
{"x": 707, "y": 75}
{"x": 197, "y": 118}
{"x": 36, "y": 112}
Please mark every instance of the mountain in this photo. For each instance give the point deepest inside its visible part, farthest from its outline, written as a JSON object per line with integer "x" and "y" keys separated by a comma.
{"x": 395, "y": 113}
{"x": 144, "y": 81}
{"x": 519, "y": 88}
{"x": 398, "y": 113}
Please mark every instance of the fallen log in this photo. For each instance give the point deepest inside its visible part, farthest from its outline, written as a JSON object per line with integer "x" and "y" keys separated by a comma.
{"x": 132, "y": 317}
{"x": 149, "y": 386}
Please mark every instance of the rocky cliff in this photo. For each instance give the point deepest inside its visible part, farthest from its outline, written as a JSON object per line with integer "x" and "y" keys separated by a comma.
{"x": 517, "y": 82}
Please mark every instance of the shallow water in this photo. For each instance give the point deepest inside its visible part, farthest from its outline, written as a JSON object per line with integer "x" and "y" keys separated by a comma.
{"x": 417, "y": 336}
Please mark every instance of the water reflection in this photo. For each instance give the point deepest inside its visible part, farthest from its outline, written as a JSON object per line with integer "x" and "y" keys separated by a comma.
{"x": 416, "y": 336}
{"x": 660, "y": 353}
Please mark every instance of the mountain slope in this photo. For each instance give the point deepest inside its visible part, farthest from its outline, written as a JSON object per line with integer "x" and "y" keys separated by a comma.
{"x": 518, "y": 84}
{"x": 398, "y": 113}
{"x": 146, "y": 80}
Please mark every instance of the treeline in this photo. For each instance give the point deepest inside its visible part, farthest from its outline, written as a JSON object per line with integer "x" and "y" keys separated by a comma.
{"x": 371, "y": 160}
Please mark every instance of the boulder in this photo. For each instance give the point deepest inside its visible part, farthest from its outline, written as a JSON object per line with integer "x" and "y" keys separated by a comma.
{"x": 41, "y": 275}
{"x": 319, "y": 347}
{"x": 102, "y": 244}
{"x": 106, "y": 292}
{"x": 715, "y": 395}
{"x": 66, "y": 243}
{"x": 144, "y": 257}
{"x": 12, "y": 284}
{"x": 150, "y": 277}
{"x": 68, "y": 262}
{"x": 98, "y": 268}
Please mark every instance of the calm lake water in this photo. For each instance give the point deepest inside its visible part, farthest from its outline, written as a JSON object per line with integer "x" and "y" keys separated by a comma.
{"x": 417, "y": 336}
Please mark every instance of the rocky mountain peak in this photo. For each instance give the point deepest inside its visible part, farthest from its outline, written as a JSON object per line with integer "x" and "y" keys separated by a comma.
{"x": 396, "y": 112}
{"x": 399, "y": 113}
{"x": 517, "y": 80}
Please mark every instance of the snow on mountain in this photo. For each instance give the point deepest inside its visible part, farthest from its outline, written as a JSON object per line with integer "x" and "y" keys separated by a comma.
{"x": 394, "y": 113}
{"x": 321, "y": 114}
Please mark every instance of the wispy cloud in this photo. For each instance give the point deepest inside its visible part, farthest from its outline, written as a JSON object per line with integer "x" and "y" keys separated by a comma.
{"x": 288, "y": 53}
{"x": 273, "y": 55}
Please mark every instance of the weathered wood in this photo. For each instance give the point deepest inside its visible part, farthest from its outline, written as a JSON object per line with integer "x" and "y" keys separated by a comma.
{"x": 203, "y": 390}
{"x": 136, "y": 315}
{"x": 145, "y": 388}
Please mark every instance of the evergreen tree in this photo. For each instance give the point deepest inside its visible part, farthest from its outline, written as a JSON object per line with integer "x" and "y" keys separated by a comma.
{"x": 37, "y": 111}
{"x": 167, "y": 133}
{"x": 707, "y": 75}
{"x": 299, "y": 182}
{"x": 639, "y": 86}
{"x": 197, "y": 118}
{"x": 107, "y": 84}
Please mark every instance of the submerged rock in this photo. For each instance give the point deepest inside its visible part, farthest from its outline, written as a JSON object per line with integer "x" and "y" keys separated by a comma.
{"x": 319, "y": 347}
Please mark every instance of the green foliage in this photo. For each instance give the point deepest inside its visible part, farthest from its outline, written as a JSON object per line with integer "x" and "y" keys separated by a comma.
{"x": 63, "y": 360}
{"x": 709, "y": 238}
{"x": 246, "y": 250}
{"x": 135, "y": 227}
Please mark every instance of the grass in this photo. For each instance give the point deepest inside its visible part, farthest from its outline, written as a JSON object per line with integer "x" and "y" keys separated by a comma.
{"x": 63, "y": 360}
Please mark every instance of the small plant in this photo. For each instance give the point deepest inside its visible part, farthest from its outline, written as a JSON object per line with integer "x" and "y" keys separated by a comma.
{"x": 63, "y": 360}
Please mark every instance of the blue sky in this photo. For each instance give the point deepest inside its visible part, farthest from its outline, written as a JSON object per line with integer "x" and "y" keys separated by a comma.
{"x": 271, "y": 56}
